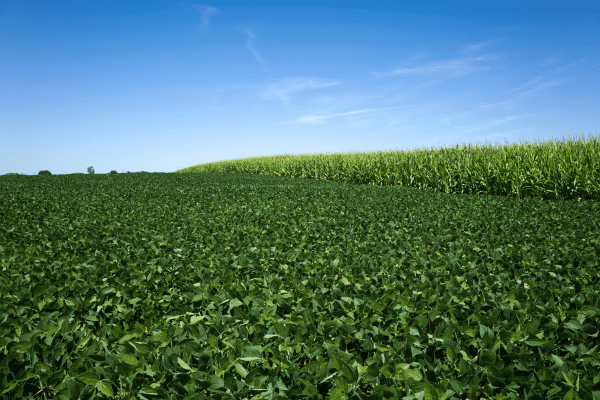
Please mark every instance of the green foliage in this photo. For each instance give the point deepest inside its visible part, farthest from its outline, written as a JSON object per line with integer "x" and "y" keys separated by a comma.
{"x": 113, "y": 172}
{"x": 554, "y": 170}
{"x": 91, "y": 171}
{"x": 222, "y": 286}
{"x": 45, "y": 172}
{"x": 13, "y": 173}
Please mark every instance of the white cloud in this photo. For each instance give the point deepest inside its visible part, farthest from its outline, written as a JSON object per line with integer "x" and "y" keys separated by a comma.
{"x": 550, "y": 60}
{"x": 319, "y": 119}
{"x": 456, "y": 67}
{"x": 206, "y": 12}
{"x": 523, "y": 95}
{"x": 473, "y": 47}
{"x": 283, "y": 89}
{"x": 500, "y": 103}
{"x": 251, "y": 49}
{"x": 506, "y": 119}
{"x": 540, "y": 87}
{"x": 539, "y": 78}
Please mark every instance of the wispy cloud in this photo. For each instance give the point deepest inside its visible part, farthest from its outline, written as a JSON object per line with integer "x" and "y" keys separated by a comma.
{"x": 507, "y": 119}
{"x": 285, "y": 88}
{"x": 250, "y": 48}
{"x": 206, "y": 12}
{"x": 524, "y": 95}
{"x": 579, "y": 61}
{"x": 550, "y": 60}
{"x": 540, "y": 87}
{"x": 319, "y": 119}
{"x": 531, "y": 82}
{"x": 477, "y": 46}
{"x": 455, "y": 67}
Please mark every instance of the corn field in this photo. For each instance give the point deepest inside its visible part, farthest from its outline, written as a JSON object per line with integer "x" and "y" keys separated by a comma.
{"x": 553, "y": 170}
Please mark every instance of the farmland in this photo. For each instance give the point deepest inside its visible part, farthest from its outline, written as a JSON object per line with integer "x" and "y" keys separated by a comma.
{"x": 447, "y": 274}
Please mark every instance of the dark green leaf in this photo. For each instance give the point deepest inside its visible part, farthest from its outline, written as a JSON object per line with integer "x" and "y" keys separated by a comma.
{"x": 88, "y": 378}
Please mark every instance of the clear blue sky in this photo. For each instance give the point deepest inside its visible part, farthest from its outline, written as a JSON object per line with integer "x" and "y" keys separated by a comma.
{"x": 162, "y": 85}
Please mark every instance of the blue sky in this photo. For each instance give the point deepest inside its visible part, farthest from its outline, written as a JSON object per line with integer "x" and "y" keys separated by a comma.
{"x": 162, "y": 85}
